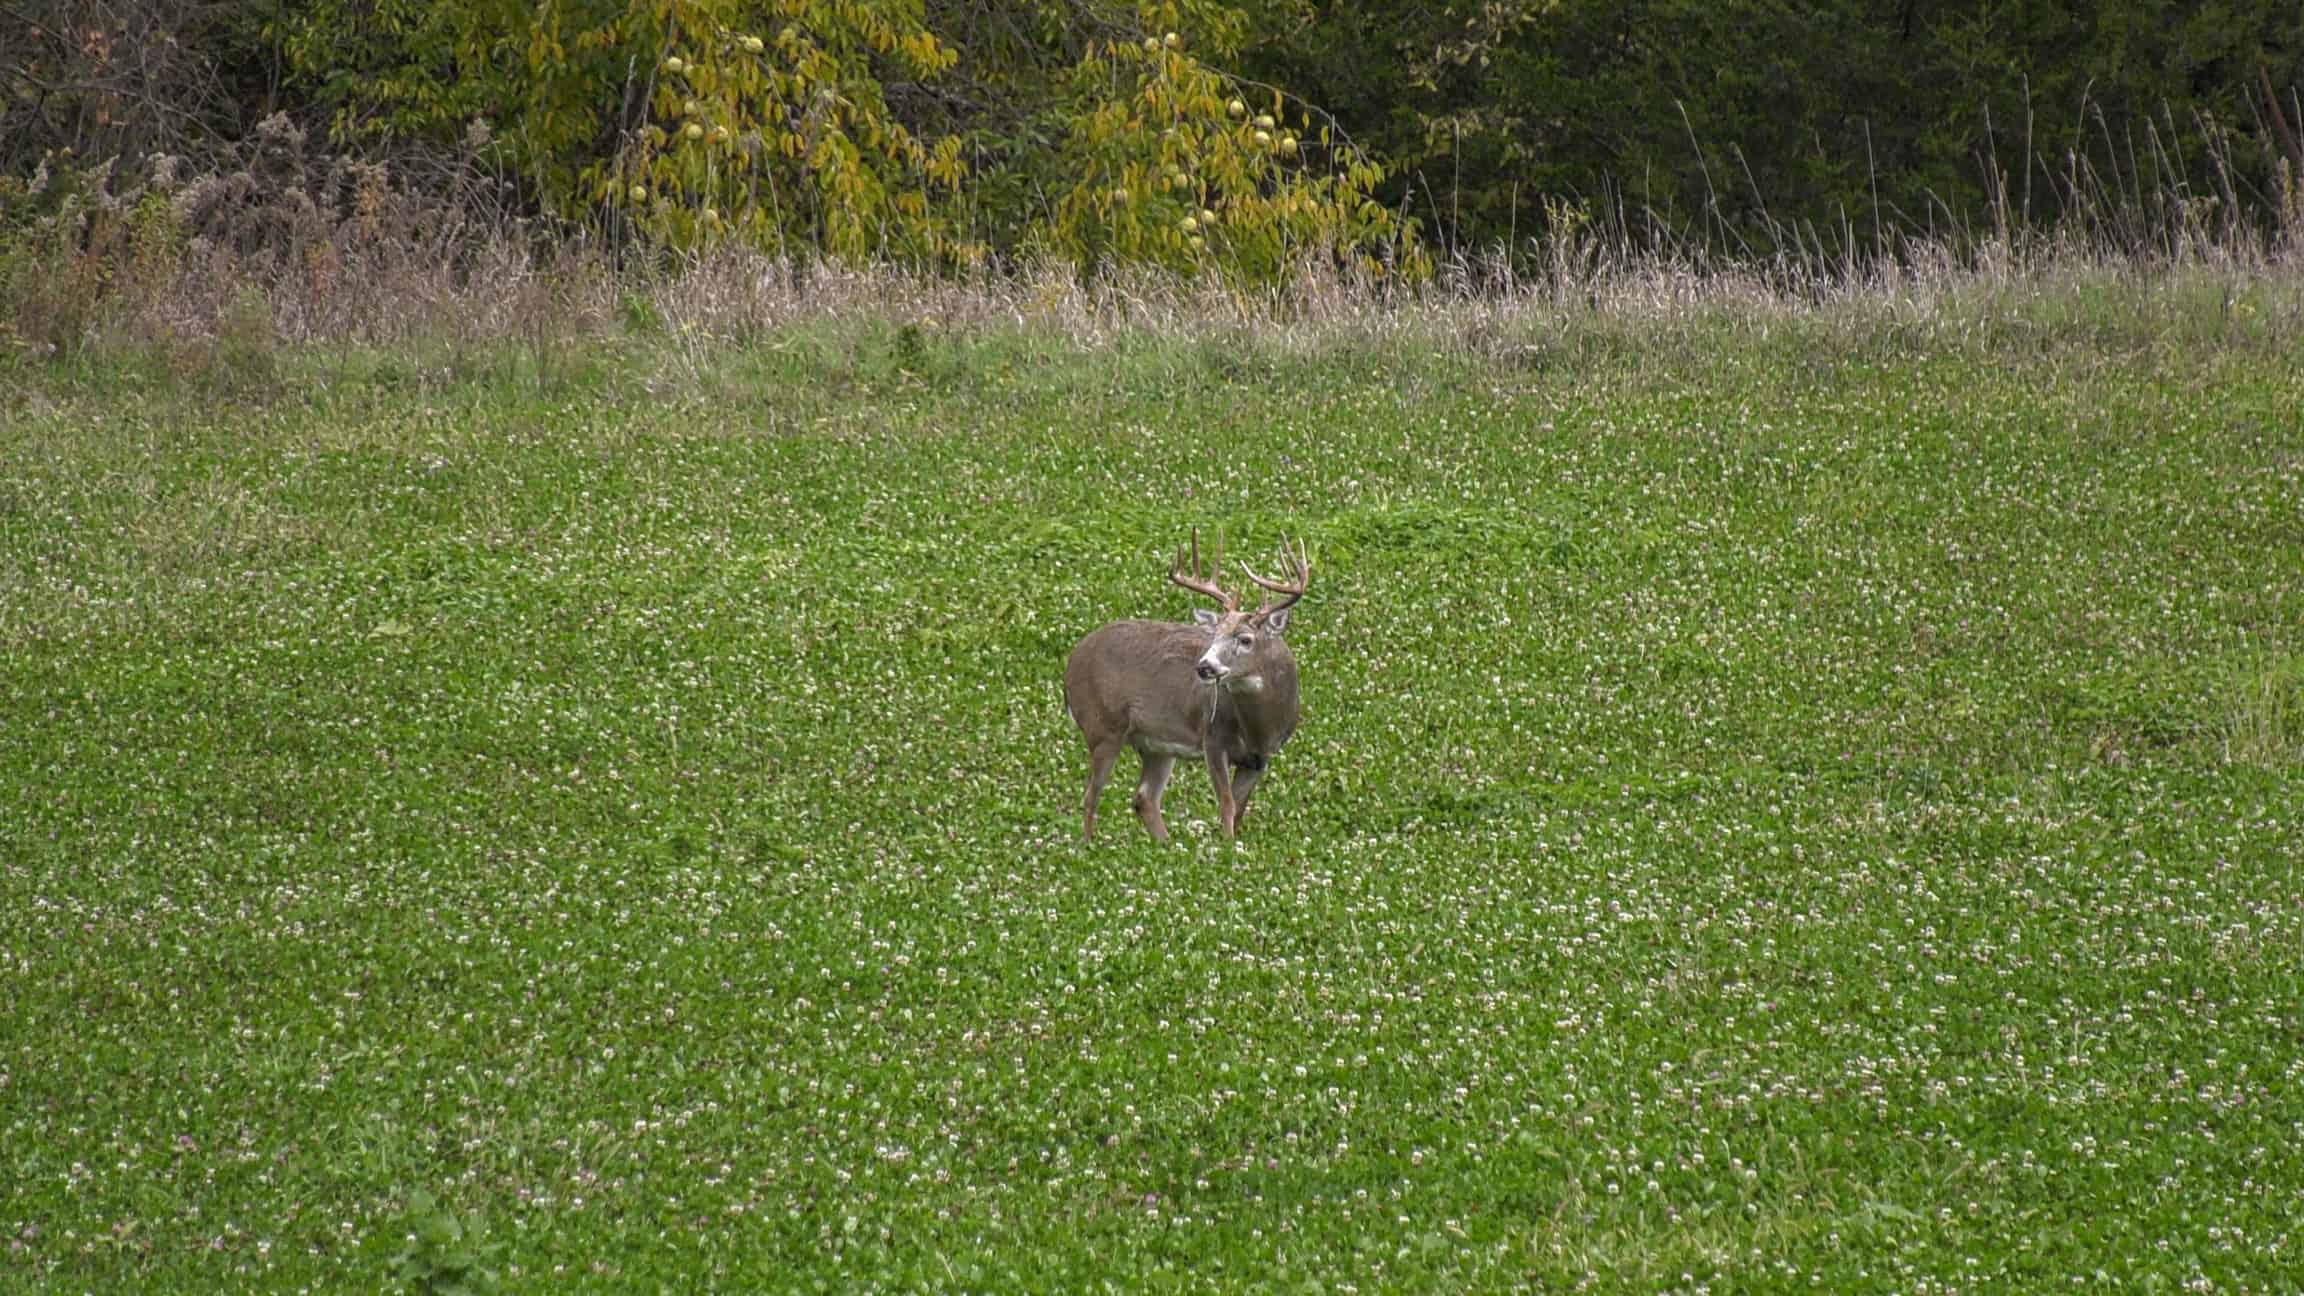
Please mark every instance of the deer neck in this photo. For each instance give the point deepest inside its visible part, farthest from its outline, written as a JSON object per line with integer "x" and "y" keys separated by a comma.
{"x": 1249, "y": 704}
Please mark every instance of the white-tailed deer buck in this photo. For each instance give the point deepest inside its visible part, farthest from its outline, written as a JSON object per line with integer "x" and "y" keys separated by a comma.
{"x": 1222, "y": 688}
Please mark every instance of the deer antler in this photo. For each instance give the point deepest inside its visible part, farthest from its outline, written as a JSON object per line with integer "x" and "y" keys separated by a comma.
{"x": 1198, "y": 583}
{"x": 1296, "y": 576}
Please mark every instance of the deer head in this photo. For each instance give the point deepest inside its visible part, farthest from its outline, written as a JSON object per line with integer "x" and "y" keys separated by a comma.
{"x": 1236, "y": 637}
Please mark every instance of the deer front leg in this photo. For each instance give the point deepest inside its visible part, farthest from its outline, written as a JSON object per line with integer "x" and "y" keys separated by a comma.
{"x": 1220, "y": 773}
{"x": 1244, "y": 777}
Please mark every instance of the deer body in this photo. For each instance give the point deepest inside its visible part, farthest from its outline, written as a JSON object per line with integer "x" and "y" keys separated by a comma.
{"x": 1222, "y": 689}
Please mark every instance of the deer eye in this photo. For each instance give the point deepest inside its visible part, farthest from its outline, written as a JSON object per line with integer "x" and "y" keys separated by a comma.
{"x": 1247, "y": 641}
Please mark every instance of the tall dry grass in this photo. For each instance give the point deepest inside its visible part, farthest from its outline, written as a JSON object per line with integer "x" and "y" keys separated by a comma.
{"x": 216, "y": 274}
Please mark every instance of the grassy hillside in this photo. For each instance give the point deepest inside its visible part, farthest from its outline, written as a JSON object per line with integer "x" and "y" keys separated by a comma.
{"x": 1782, "y": 803}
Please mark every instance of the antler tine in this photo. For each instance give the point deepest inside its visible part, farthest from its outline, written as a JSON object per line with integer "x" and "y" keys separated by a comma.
{"x": 1296, "y": 563}
{"x": 1204, "y": 584}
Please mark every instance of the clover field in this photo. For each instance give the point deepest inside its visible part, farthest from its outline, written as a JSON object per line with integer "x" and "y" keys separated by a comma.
{"x": 1804, "y": 813}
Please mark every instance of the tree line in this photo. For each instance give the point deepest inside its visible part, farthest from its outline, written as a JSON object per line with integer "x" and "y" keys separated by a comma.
{"x": 1193, "y": 133}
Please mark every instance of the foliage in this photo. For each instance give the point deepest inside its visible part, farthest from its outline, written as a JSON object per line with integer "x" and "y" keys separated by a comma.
{"x": 774, "y": 124}
{"x": 962, "y": 133}
{"x": 1761, "y": 127}
{"x": 1175, "y": 166}
{"x": 785, "y": 138}
{"x": 447, "y": 1253}
{"x": 112, "y": 80}
{"x": 546, "y": 82}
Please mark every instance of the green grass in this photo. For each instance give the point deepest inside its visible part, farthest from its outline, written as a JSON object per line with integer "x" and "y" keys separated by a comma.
{"x": 1825, "y": 817}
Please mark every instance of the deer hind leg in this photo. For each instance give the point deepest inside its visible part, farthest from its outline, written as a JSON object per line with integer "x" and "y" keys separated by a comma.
{"x": 1099, "y": 769}
{"x": 1149, "y": 789}
{"x": 1244, "y": 778}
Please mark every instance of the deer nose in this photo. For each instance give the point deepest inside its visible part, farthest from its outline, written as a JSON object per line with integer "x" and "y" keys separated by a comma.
{"x": 1208, "y": 670}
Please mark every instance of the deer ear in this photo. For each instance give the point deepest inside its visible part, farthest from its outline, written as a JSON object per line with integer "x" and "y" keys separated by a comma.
{"x": 1277, "y": 620}
{"x": 1203, "y": 616}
